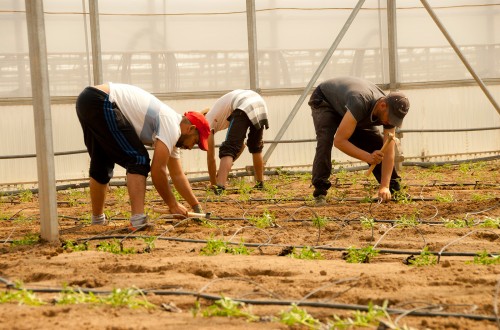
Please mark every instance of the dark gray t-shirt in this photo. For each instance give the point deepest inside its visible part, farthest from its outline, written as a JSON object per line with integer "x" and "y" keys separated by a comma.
{"x": 355, "y": 95}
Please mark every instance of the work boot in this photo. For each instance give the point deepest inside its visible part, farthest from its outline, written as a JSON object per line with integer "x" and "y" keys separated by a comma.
{"x": 320, "y": 200}
{"x": 218, "y": 189}
{"x": 259, "y": 185}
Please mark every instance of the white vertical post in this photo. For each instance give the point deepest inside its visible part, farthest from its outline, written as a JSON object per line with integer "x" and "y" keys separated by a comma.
{"x": 43, "y": 122}
{"x": 96, "y": 41}
{"x": 252, "y": 46}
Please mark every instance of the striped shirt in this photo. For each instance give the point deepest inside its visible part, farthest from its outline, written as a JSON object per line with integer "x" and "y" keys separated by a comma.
{"x": 246, "y": 100}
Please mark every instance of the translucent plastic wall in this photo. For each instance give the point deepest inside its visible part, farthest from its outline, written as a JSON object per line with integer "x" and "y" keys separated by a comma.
{"x": 197, "y": 46}
{"x": 191, "y": 45}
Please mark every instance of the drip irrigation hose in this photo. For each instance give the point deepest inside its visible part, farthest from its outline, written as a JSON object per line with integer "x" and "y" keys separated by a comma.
{"x": 339, "y": 249}
{"x": 354, "y": 307}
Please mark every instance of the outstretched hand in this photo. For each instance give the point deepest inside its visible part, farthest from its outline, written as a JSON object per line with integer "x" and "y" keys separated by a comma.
{"x": 179, "y": 209}
{"x": 384, "y": 194}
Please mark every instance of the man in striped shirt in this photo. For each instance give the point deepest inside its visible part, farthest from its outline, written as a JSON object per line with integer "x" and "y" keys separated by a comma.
{"x": 238, "y": 111}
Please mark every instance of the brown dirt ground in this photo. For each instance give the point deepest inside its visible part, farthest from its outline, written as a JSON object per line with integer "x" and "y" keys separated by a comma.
{"x": 174, "y": 272}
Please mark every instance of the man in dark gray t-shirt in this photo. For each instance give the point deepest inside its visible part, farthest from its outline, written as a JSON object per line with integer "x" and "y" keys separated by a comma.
{"x": 346, "y": 111}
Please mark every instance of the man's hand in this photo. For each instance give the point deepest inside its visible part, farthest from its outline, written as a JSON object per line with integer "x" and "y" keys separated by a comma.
{"x": 179, "y": 209}
{"x": 376, "y": 157}
{"x": 384, "y": 194}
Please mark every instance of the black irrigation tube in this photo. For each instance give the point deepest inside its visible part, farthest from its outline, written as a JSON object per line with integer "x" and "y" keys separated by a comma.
{"x": 11, "y": 285}
{"x": 451, "y": 162}
{"x": 446, "y": 130}
{"x": 259, "y": 245}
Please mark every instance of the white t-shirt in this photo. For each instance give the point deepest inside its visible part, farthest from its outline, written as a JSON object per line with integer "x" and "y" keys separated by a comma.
{"x": 246, "y": 100}
{"x": 151, "y": 118}
{"x": 221, "y": 110}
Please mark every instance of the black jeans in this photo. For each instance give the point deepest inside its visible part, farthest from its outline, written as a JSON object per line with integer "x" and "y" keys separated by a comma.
{"x": 109, "y": 137}
{"x": 326, "y": 122}
{"x": 235, "y": 136}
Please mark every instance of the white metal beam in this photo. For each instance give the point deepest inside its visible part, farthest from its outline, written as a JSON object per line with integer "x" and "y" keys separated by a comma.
{"x": 47, "y": 196}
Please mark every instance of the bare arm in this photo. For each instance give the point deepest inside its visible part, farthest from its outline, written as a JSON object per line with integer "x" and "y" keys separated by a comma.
{"x": 159, "y": 175}
{"x": 211, "y": 164}
{"x": 341, "y": 140}
{"x": 181, "y": 182}
{"x": 387, "y": 166}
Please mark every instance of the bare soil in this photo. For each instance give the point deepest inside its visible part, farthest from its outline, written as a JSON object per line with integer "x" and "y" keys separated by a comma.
{"x": 452, "y": 294}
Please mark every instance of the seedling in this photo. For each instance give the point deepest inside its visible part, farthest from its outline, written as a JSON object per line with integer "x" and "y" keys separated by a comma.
{"x": 244, "y": 190}
{"x": 215, "y": 247}
{"x": 359, "y": 256}
{"x": 229, "y": 308}
{"x": 445, "y": 198}
{"x": 266, "y": 220}
{"x": 342, "y": 176}
{"x": 485, "y": 258}
{"x": 299, "y": 317}
{"x": 71, "y": 246}
{"x": 319, "y": 221}
{"x": 127, "y": 298}
{"x": 477, "y": 197}
{"x": 21, "y": 296}
{"x": 367, "y": 223}
{"x": 367, "y": 319}
{"x": 491, "y": 223}
{"x": 424, "y": 259}
{"x": 28, "y": 239}
{"x": 71, "y": 297}
{"x": 402, "y": 196}
{"x": 115, "y": 247}
{"x": 150, "y": 242}
{"x": 407, "y": 221}
{"x": 458, "y": 223}
{"x": 307, "y": 253}
{"x": 26, "y": 196}
{"x": 73, "y": 196}
{"x": 271, "y": 191}
{"x": 470, "y": 167}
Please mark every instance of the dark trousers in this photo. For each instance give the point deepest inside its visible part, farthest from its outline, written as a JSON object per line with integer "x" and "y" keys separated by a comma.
{"x": 326, "y": 122}
{"x": 239, "y": 124}
{"x": 109, "y": 137}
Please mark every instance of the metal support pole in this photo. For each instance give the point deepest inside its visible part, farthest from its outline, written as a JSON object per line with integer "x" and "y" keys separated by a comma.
{"x": 43, "y": 122}
{"x": 313, "y": 79}
{"x": 460, "y": 55}
{"x": 393, "y": 44}
{"x": 253, "y": 64}
{"x": 393, "y": 70}
{"x": 96, "y": 41}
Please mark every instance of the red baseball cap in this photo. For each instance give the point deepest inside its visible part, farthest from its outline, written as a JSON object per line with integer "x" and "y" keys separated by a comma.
{"x": 198, "y": 120}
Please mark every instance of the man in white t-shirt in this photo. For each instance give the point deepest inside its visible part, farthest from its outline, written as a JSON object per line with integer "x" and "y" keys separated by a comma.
{"x": 118, "y": 120}
{"x": 238, "y": 111}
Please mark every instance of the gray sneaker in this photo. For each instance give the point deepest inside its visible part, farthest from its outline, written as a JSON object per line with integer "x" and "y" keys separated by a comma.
{"x": 320, "y": 200}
